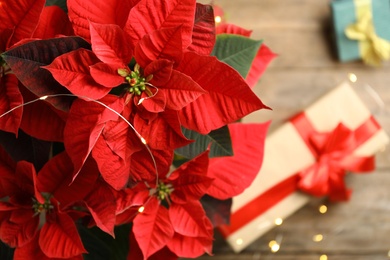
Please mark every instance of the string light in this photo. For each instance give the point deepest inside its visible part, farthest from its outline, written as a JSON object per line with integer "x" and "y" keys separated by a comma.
{"x": 278, "y": 221}
{"x": 141, "y": 209}
{"x": 274, "y": 246}
{"x": 239, "y": 241}
{"x": 323, "y": 257}
{"x": 352, "y": 77}
{"x": 323, "y": 209}
{"x": 218, "y": 19}
{"x": 318, "y": 238}
{"x": 97, "y": 102}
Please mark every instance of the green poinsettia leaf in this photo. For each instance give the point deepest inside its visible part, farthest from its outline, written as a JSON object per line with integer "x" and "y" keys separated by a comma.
{"x": 237, "y": 51}
{"x": 59, "y": 3}
{"x": 219, "y": 141}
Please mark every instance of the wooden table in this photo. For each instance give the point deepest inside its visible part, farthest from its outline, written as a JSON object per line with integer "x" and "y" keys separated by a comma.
{"x": 299, "y": 31}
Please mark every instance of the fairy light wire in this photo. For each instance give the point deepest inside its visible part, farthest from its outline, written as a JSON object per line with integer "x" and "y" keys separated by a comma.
{"x": 105, "y": 106}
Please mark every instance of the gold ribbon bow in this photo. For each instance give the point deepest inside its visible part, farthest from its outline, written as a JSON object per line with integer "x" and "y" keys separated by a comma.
{"x": 373, "y": 49}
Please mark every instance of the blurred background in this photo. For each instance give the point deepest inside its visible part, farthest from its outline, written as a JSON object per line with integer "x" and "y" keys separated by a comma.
{"x": 300, "y": 32}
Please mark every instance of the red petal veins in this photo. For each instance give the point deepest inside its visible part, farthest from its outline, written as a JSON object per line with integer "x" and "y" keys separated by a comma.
{"x": 59, "y": 237}
{"x": 41, "y": 120}
{"x": 181, "y": 90}
{"x": 190, "y": 247}
{"x": 151, "y": 15}
{"x": 32, "y": 251}
{"x": 84, "y": 126}
{"x": 72, "y": 71}
{"x": 144, "y": 164}
{"x": 106, "y": 74}
{"x": 226, "y": 90}
{"x": 165, "y": 43}
{"x": 189, "y": 219}
{"x": 56, "y": 178}
{"x": 18, "y": 233}
{"x": 152, "y": 228}
{"x": 104, "y": 12}
{"x": 102, "y": 206}
{"x": 190, "y": 181}
{"x": 165, "y": 131}
{"x": 114, "y": 170}
{"x": 23, "y": 16}
{"x": 161, "y": 70}
{"x": 110, "y": 44}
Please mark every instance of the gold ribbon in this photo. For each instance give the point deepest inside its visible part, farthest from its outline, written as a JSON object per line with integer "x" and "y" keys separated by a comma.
{"x": 373, "y": 49}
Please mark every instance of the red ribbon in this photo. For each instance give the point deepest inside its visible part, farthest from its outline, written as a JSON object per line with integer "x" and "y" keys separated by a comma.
{"x": 333, "y": 153}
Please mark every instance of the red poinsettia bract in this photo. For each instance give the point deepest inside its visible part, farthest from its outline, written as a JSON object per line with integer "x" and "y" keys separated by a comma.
{"x": 169, "y": 212}
{"x": 36, "y": 216}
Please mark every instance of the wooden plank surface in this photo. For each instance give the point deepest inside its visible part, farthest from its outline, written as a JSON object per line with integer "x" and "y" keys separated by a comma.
{"x": 299, "y": 31}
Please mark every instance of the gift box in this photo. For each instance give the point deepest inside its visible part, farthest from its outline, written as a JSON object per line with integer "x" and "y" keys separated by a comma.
{"x": 361, "y": 30}
{"x": 290, "y": 157}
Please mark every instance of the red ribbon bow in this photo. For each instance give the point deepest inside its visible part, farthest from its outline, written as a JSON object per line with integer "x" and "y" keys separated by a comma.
{"x": 334, "y": 158}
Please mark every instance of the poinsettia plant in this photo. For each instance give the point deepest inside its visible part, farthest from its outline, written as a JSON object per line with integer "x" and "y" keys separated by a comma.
{"x": 119, "y": 134}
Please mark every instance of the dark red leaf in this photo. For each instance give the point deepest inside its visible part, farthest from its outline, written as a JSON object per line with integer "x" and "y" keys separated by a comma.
{"x": 26, "y": 61}
{"x": 233, "y": 174}
{"x": 203, "y": 35}
{"x": 152, "y": 228}
{"x": 26, "y": 148}
{"x": 59, "y": 237}
{"x": 226, "y": 90}
{"x": 218, "y": 211}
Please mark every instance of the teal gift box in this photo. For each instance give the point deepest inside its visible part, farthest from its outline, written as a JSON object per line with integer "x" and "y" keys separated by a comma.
{"x": 345, "y": 13}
